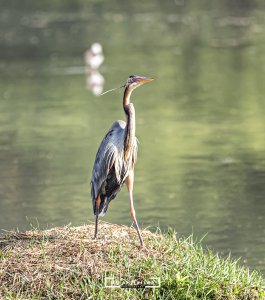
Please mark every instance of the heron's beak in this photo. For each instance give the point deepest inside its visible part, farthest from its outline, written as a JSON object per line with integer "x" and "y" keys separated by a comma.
{"x": 144, "y": 79}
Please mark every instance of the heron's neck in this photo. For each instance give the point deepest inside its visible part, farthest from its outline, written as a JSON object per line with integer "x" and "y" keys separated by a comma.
{"x": 126, "y": 97}
{"x": 130, "y": 127}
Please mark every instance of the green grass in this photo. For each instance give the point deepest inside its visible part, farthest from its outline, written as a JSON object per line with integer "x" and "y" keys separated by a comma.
{"x": 67, "y": 263}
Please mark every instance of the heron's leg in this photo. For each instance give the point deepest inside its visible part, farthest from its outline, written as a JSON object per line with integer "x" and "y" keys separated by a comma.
{"x": 129, "y": 182}
{"x": 96, "y": 221}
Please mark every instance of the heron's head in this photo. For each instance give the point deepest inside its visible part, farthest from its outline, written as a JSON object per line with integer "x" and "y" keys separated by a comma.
{"x": 134, "y": 81}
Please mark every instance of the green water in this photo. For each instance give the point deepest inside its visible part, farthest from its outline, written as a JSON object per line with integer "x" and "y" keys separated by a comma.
{"x": 201, "y": 125}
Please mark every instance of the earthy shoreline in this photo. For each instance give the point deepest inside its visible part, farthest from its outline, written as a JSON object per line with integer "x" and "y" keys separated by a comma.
{"x": 67, "y": 263}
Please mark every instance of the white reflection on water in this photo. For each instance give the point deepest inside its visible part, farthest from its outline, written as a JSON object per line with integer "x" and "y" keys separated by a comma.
{"x": 93, "y": 59}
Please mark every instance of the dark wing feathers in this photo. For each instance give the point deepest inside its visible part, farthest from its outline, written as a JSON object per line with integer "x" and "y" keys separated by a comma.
{"x": 108, "y": 152}
{"x": 110, "y": 169}
{"x": 104, "y": 161}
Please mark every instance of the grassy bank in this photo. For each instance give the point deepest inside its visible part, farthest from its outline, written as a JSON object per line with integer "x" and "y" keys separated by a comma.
{"x": 66, "y": 263}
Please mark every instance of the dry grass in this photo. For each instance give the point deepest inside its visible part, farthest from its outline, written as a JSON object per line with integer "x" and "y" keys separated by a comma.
{"x": 67, "y": 263}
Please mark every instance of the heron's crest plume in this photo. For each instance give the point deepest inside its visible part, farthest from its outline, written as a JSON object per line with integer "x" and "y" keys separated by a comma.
{"x": 111, "y": 90}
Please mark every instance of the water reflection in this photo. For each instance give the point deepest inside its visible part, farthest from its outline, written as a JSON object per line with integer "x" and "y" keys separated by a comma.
{"x": 95, "y": 82}
{"x": 94, "y": 58}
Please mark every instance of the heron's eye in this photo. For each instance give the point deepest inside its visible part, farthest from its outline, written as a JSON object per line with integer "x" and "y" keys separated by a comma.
{"x": 131, "y": 76}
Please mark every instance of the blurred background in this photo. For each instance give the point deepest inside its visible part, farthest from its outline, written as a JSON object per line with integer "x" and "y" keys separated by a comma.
{"x": 201, "y": 127}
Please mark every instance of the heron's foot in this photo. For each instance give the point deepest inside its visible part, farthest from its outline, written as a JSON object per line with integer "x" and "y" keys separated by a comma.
{"x": 95, "y": 234}
{"x": 139, "y": 235}
{"x": 142, "y": 242}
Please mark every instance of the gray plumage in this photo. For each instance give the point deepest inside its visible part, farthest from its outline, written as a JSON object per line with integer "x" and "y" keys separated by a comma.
{"x": 111, "y": 168}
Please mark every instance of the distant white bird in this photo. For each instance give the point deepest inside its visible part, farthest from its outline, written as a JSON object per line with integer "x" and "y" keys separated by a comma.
{"x": 94, "y": 57}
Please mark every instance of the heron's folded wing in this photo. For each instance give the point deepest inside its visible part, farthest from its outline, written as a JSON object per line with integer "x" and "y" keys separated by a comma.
{"x": 108, "y": 152}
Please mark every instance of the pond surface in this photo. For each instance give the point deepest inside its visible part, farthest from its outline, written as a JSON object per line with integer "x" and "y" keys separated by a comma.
{"x": 201, "y": 126}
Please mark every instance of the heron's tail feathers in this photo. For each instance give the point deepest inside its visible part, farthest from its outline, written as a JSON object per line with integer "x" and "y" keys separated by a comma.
{"x": 104, "y": 203}
{"x": 104, "y": 210}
